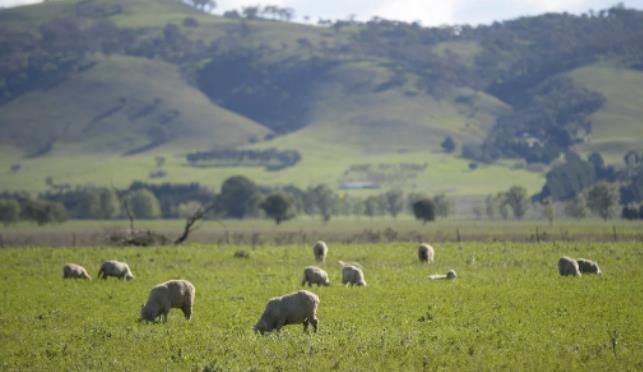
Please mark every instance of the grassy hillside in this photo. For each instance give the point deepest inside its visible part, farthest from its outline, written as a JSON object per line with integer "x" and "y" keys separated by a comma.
{"x": 618, "y": 126}
{"x": 119, "y": 105}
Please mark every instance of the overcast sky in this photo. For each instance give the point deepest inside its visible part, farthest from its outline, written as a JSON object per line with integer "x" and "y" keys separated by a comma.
{"x": 429, "y": 12}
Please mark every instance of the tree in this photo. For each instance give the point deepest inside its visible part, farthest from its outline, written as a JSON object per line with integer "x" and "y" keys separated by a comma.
{"x": 424, "y": 210}
{"x": 491, "y": 206}
{"x": 279, "y": 207}
{"x": 629, "y": 213}
{"x": 239, "y": 197}
{"x": 394, "y": 201}
{"x": 448, "y": 145}
{"x": 143, "y": 204}
{"x": 97, "y": 203}
{"x": 602, "y": 199}
{"x": 9, "y": 211}
{"x": 43, "y": 212}
{"x": 325, "y": 200}
{"x": 443, "y": 206}
{"x": 577, "y": 207}
{"x": 516, "y": 198}
{"x": 548, "y": 210}
{"x": 372, "y": 206}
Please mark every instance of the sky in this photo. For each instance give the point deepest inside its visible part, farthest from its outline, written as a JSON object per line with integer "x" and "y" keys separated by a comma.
{"x": 427, "y": 12}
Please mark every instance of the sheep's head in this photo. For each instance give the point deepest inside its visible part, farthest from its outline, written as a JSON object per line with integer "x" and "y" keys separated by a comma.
{"x": 129, "y": 276}
{"x": 451, "y": 274}
{"x": 87, "y": 276}
{"x": 261, "y": 327}
{"x": 147, "y": 313}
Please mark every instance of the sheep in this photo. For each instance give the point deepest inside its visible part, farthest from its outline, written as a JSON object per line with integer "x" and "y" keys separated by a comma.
{"x": 293, "y": 308}
{"x": 315, "y": 275}
{"x": 425, "y": 253}
{"x": 449, "y": 276}
{"x": 352, "y": 274}
{"x": 588, "y": 266}
{"x": 568, "y": 266}
{"x": 320, "y": 250}
{"x": 115, "y": 268}
{"x": 178, "y": 294}
{"x": 73, "y": 271}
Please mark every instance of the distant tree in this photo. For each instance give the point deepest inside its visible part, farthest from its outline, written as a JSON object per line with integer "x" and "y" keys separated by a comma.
{"x": 564, "y": 181}
{"x": 204, "y": 5}
{"x": 371, "y": 206}
{"x": 478, "y": 211}
{"x": 43, "y": 212}
{"x": 641, "y": 212}
{"x": 516, "y": 197}
{"x": 629, "y": 212}
{"x": 325, "y": 201}
{"x": 143, "y": 204}
{"x": 394, "y": 201}
{"x": 239, "y": 197}
{"x": 577, "y": 207}
{"x": 279, "y": 207}
{"x": 190, "y": 22}
{"x": 443, "y": 206}
{"x": 9, "y": 211}
{"x": 491, "y": 206}
{"x": 424, "y": 210}
{"x": 448, "y": 145}
{"x": 548, "y": 210}
{"x": 97, "y": 203}
{"x": 602, "y": 199}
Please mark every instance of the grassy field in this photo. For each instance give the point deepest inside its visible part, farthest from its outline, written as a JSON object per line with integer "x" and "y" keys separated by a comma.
{"x": 508, "y": 310}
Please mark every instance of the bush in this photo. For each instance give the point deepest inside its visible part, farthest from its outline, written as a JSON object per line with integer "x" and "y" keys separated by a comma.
{"x": 143, "y": 204}
{"x": 43, "y": 212}
{"x": 9, "y": 211}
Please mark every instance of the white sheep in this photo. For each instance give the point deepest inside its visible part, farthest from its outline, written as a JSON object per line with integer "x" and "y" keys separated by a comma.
{"x": 73, "y": 271}
{"x": 568, "y": 266}
{"x": 449, "y": 276}
{"x": 352, "y": 274}
{"x": 118, "y": 269}
{"x": 425, "y": 253}
{"x": 320, "y": 250}
{"x": 315, "y": 275}
{"x": 588, "y": 266}
{"x": 293, "y": 308}
{"x": 178, "y": 294}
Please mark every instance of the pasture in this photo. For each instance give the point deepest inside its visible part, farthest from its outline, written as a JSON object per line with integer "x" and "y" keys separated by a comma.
{"x": 508, "y": 309}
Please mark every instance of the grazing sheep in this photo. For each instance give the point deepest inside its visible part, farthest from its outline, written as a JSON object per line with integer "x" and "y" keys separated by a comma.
{"x": 315, "y": 275}
{"x": 425, "y": 253}
{"x": 352, "y": 274}
{"x": 320, "y": 250}
{"x": 115, "y": 268}
{"x": 293, "y": 308}
{"x": 73, "y": 271}
{"x": 449, "y": 276}
{"x": 178, "y": 294}
{"x": 568, "y": 266}
{"x": 588, "y": 266}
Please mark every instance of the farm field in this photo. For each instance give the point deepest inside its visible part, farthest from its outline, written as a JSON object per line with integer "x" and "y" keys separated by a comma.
{"x": 507, "y": 310}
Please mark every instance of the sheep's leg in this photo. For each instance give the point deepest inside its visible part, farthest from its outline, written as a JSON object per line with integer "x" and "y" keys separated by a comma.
{"x": 314, "y": 321}
{"x": 187, "y": 311}
{"x": 306, "y": 322}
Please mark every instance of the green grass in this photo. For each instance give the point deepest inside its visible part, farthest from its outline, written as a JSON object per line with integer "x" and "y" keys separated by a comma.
{"x": 508, "y": 309}
{"x": 617, "y": 126}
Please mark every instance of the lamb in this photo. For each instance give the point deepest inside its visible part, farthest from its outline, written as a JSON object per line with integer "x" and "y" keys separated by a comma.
{"x": 178, "y": 294}
{"x": 73, "y": 271}
{"x": 315, "y": 275}
{"x": 293, "y": 308}
{"x": 449, "y": 276}
{"x": 352, "y": 274}
{"x": 568, "y": 266}
{"x": 115, "y": 268}
{"x": 588, "y": 266}
{"x": 425, "y": 253}
{"x": 320, "y": 250}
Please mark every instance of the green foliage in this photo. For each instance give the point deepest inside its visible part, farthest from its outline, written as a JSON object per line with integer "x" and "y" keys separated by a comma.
{"x": 239, "y": 197}
{"x": 577, "y": 207}
{"x": 448, "y": 145}
{"x": 279, "y": 207}
{"x": 443, "y": 206}
{"x": 143, "y": 204}
{"x": 394, "y": 202}
{"x": 602, "y": 199}
{"x": 9, "y": 211}
{"x": 401, "y": 321}
{"x": 97, "y": 204}
{"x": 568, "y": 179}
{"x": 517, "y": 199}
{"x": 424, "y": 210}
{"x": 43, "y": 212}
{"x": 325, "y": 201}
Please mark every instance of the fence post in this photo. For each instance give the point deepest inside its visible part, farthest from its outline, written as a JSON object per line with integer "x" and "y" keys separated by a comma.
{"x": 457, "y": 232}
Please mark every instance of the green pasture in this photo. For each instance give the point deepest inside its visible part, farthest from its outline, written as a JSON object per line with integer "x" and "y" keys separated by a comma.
{"x": 508, "y": 309}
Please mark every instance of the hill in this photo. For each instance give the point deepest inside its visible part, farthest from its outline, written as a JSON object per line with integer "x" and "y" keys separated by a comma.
{"x": 95, "y": 91}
